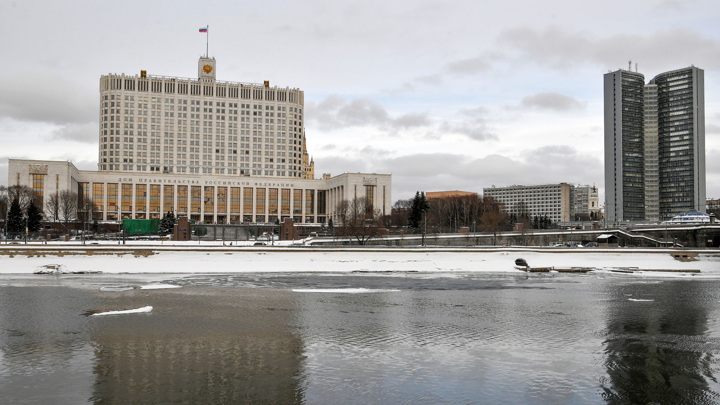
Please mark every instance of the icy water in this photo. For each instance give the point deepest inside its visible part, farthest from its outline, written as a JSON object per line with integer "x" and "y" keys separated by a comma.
{"x": 361, "y": 339}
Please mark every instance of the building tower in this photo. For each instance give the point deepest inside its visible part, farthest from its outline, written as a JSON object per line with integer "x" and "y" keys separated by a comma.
{"x": 681, "y": 141}
{"x": 624, "y": 146}
{"x": 160, "y": 124}
{"x": 654, "y": 144}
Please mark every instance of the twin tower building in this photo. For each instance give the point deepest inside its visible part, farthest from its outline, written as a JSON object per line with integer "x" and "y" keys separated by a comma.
{"x": 654, "y": 145}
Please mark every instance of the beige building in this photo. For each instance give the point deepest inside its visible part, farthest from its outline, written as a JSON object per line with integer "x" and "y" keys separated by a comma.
{"x": 218, "y": 199}
{"x": 161, "y": 124}
{"x": 553, "y": 200}
{"x": 217, "y": 152}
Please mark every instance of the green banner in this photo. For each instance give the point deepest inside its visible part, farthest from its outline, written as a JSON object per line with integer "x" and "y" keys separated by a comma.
{"x": 141, "y": 226}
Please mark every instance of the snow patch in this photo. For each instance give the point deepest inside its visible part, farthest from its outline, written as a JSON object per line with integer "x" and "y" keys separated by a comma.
{"x": 158, "y": 286}
{"x": 128, "y": 311}
{"x": 639, "y": 300}
{"x": 117, "y": 288}
{"x": 342, "y": 290}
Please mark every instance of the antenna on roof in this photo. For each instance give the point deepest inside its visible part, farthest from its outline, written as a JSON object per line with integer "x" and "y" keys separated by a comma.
{"x": 630, "y": 66}
{"x": 635, "y": 67}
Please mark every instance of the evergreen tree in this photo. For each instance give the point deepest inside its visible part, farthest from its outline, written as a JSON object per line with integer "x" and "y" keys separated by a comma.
{"x": 15, "y": 218}
{"x": 167, "y": 224}
{"x": 34, "y": 218}
{"x": 419, "y": 206}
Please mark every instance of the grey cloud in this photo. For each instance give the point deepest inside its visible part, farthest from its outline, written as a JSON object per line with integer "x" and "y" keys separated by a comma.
{"x": 552, "y": 101}
{"x": 562, "y": 49}
{"x": 470, "y": 66}
{"x": 86, "y": 132}
{"x": 671, "y": 5}
{"x": 712, "y": 129}
{"x": 361, "y": 112}
{"x": 477, "y": 112}
{"x": 476, "y": 128}
{"x": 410, "y": 87}
{"x": 44, "y": 98}
{"x": 411, "y": 120}
{"x": 435, "y": 79}
{"x": 335, "y": 113}
{"x": 3, "y": 171}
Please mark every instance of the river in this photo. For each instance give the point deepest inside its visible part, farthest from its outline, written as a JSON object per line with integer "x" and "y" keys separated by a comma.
{"x": 382, "y": 338}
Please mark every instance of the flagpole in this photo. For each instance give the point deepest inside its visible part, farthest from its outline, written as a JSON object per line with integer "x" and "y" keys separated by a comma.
{"x": 207, "y": 41}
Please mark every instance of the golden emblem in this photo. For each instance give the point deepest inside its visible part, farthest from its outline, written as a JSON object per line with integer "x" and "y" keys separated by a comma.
{"x": 207, "y": 69}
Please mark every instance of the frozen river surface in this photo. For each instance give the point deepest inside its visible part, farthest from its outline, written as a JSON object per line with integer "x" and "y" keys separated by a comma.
{"x": 360, "y": 338}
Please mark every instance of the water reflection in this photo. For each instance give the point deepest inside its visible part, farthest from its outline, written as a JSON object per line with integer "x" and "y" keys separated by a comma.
{"x": 216, "y": 348}
{"x": 656, "y": 348}
{"x": 44, "y": 349}
{"x": 464, "y": 339}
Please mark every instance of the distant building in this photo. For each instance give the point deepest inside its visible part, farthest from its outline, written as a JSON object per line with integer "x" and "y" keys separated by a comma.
{"x": 308, "y": 163}
{"x": 654, "y": 144}
{"x": 551, "y": 200}
{"x": 445, "y": 194}
{"x": 585, "y": 202}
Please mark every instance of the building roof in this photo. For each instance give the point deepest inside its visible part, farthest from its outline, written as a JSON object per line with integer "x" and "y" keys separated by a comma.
{"x": 453, "y": 193}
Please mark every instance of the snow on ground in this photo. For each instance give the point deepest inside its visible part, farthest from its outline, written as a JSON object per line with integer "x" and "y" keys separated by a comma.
{"x": 215, "y": 258}
{"x": 158, "y": 286}
{"x": 342, "y": 290}
{"x": 128, "y": 311}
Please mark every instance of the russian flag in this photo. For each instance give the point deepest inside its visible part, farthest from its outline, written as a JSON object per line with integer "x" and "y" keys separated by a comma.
{"x": 203, "y": 29}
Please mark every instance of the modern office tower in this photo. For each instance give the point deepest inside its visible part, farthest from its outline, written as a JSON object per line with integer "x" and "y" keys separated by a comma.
{"x": 654, "y": 144}
{"x": 652, "y": 175}
{"x": 160, "y": 124}
{"x": 624, "y": 149}
{"x": 681, "y": 140}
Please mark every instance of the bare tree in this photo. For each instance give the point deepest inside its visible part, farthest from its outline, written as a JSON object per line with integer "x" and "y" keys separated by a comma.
{"x": 24, "y": 195}
{"x": 358, "y": 220}
{"x": 52, "y": 207}
{"x": 4, "y": 204}
{"x": 493, "y": 217}
{"x": 67, "y": 206}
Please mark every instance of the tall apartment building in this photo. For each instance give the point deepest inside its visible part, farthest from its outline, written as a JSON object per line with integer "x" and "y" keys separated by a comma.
{"x": 654, "y": 144}
{"x": 551, "y": 200}
{"x": 160, "y": 124}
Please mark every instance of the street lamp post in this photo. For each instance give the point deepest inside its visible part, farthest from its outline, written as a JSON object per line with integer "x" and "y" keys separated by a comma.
{"x": 86, "y": 211}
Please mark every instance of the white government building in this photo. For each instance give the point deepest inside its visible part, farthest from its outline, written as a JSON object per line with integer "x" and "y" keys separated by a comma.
{"x": 217, "y": 152}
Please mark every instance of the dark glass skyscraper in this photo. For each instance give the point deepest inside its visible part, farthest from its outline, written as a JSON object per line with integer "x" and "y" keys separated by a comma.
{"x": 654, "y": 144}
{"x": 681, "y": 141}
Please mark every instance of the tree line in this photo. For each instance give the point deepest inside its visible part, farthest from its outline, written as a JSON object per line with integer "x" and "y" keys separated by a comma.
{"x": 22, "y": 210}
{"x": 450, "y": 214}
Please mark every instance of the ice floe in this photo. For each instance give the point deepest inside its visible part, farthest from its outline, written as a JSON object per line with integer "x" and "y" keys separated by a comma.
{"x": 128, "y": 311}
{"x": 158, "y": 286}
{"x": 117, "y": 288}
{"x": 342, "y": 290}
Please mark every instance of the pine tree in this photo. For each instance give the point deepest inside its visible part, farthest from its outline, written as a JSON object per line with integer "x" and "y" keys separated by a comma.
{"x": 167, "y": 224}
{"x": 34, "y": 218}
{"x": 15, "y": 218}
{"x": 419, "y": 206}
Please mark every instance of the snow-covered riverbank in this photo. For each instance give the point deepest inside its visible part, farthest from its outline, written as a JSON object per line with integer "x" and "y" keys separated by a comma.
{"x": 216, "y": 258}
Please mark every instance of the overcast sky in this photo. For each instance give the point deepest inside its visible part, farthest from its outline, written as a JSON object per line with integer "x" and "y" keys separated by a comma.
{"x": 444, "y": 95}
